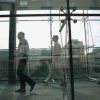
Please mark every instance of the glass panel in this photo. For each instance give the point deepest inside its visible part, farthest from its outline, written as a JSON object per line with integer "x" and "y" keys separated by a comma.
{"x": 94, "y": 5}
{"x": 41, "y": 5}
{"x": 23, "y": 4}
{"x": 4, "y": 73}
{"x": 7, "y": 0}
{"x": 4, "y": 46}
{"x": 4, "y": 66}
{"x": 4, "y": 34}
{"x": 34, "y": 32}
{"x": 41, "y": 56}
{"x": 39, "y": 63}
{"x": 36, "y": 53}
{"x": 94, "y": 11}
{"x": 33, "y": 12}
{"x": 86, "y": 61}
{"x": 71, "y": 5}
{"x": 46, "y": 4}
{"x": 39, "y": 46}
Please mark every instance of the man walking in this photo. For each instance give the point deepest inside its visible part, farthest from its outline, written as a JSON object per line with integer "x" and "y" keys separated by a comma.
{"x": 23, "y": 48}
{"x": 56, "y": 62}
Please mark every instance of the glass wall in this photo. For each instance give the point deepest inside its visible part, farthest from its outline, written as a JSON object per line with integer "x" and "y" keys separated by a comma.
{"x": 4, "y": 45}
{"x": 85, "y": 55}
{"x": 77, "y": 71}
{"x": 39, "y": 32}
{"x": 4, "y": 23}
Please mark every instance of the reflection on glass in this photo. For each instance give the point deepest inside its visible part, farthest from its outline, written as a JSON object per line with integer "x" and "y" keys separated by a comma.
{"x": 85, "y": 42}
{"x": 4, "y": 34}
{"x": 37, "y": 34}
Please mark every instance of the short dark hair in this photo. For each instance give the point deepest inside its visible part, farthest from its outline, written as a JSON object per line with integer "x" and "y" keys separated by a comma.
{"x": 22, "y": 33}
{"x": 56, "y": 36}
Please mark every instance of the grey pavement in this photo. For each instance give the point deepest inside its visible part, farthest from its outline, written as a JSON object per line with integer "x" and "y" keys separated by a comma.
{"x": 87, "y": 91}
{"x": 83, "y": 91}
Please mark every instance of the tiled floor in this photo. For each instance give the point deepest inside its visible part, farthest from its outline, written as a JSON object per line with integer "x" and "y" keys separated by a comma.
{"x": 83, "y": 91}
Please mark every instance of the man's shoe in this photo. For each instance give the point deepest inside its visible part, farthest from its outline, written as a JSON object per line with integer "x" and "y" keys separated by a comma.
{"x": 21, "y": 90}
{"x": 45, "y": 82}
{"x": 98, "y": 82}
{"x": 32, "y": 86}
{"x": 62, "y": 84}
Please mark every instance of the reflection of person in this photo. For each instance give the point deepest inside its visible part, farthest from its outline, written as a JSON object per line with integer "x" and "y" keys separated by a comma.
{"x": 56, "y": 62}
{"x": 23, "y": 48}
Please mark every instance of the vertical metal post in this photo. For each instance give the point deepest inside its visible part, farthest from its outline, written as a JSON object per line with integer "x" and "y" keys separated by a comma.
{"x": 86, "y": 46}
{"x": 51, "y": 32}
{"x": 65, "y": 73}
{"x": 71, "y": 59}
{"x": 12, "y": 46}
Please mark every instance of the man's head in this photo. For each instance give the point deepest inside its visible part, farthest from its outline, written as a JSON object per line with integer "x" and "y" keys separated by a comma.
{"x": 20, "y": 35}
{"x": 55, "y": 38}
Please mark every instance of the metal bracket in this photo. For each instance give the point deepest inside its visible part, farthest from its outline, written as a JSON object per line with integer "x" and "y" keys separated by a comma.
{"x": 64, "y": 21}
{"x": 85, "y": 19}
{"x": 50, "y": 19}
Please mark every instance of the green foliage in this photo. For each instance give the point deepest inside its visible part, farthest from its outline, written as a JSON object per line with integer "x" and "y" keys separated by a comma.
{"x": 41, "y": 71}
{"x": 80, "y": 71}
{"x": 96, "y": 70}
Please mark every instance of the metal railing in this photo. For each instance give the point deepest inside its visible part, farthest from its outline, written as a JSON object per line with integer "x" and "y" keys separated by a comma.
{"x": 85, "y": 66}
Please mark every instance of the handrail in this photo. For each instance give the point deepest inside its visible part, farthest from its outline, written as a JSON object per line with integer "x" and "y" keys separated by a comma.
{"x": 50, "y": 59}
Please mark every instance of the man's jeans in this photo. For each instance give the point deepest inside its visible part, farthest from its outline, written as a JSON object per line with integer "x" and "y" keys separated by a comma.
{"x": 23, "y": 78}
